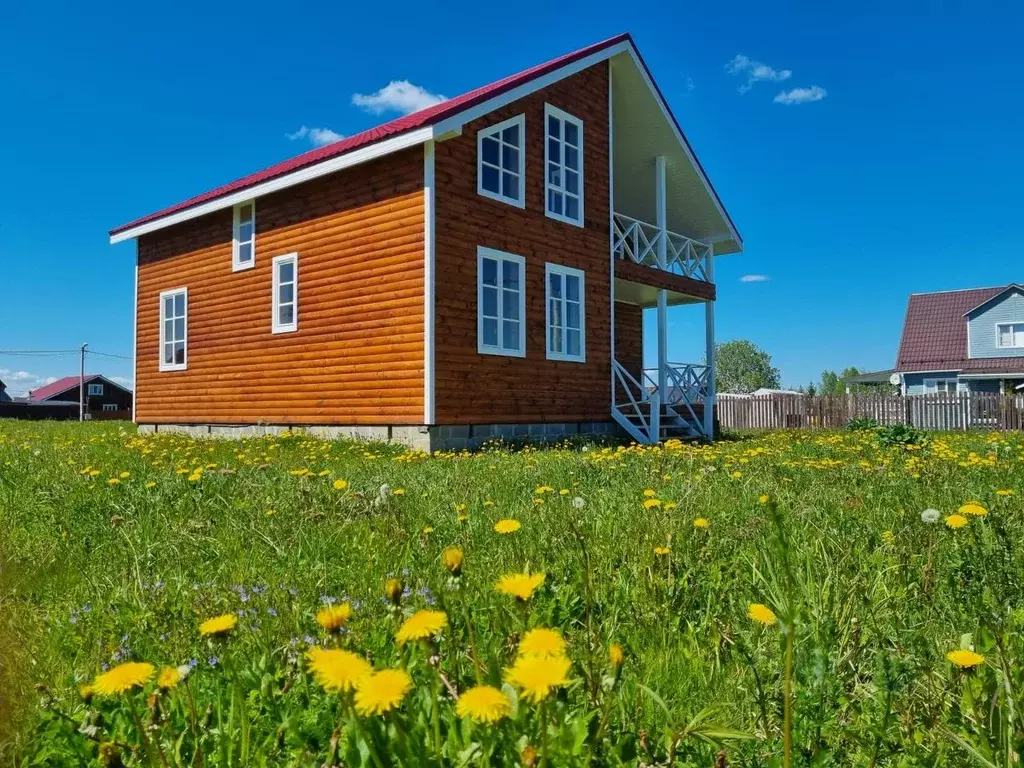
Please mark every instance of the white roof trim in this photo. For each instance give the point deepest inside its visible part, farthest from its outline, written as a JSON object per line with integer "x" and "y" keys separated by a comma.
{"x": 439, "y": 131}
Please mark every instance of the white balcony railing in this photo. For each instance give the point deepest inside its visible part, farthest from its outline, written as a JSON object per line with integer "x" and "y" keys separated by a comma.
{"x": 641, "y": 243}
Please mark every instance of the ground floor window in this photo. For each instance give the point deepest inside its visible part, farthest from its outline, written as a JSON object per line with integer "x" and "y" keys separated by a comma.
{"x": 110, "y": 406}
{"x": 565, "y": 321}
{"x": 501, "y": 303}
{"x": 940, "y": 386}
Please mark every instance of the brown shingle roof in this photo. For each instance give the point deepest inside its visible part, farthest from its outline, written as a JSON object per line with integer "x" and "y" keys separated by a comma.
{"x": 935, "y": 333}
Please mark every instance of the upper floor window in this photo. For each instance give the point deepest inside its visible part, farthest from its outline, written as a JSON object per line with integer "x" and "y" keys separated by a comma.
{"x": 95, "y": 390}
{"x": 501, "y": 161}
{"x": 286, "y": 293}
{"x": 1010, "y": 335}
{"x": 243, "y": 241}
{"x": 565, "y": 322}
{"x": 174, "y": 330}
{"x": 501, "y": 302}
{"x": 563, "y": 159}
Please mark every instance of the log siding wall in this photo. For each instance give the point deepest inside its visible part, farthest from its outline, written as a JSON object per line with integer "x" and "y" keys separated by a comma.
{"x": 357, "y": 356}
{"x": 475, "y": 388}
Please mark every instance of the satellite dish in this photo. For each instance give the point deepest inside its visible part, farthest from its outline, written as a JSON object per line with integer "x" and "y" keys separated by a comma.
{"x": 895, "y": 379}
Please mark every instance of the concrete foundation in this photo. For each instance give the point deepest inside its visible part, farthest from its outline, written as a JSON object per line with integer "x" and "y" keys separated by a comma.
{"x": 445, "y": 437}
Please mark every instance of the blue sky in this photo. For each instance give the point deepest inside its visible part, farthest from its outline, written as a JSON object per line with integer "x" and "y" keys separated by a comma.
{"x": 904, "y": 174}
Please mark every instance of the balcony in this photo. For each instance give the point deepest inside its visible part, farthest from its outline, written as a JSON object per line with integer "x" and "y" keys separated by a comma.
{"x": 649, "y": 245}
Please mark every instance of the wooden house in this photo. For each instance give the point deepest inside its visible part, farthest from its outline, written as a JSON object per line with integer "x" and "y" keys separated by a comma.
{"x": 473, "y": 270}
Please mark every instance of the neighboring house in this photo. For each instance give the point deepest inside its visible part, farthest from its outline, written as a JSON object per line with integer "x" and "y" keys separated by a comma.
{"x": 476, "y": 269}
{"x": 101, "y": 394}
{"x": 4, "y": 397}
{"x": 963, "y": 341}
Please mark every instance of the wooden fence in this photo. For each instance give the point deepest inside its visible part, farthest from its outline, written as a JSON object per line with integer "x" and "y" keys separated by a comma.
{"x": 937, "y": 411}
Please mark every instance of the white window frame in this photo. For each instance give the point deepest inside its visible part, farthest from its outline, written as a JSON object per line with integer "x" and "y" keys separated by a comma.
{"x": 110, "y": 407}
{"x": 1018, "y": 336}
{"x": 931, "y": 386}
{"x": 236, "y": 223}
{"x": 551, "y": 268}
{"x": 498, "y": 128}
{"x": 564, "y": 117}
{"x": 97, "y": 392}
{"x": 499, "y": 256}
{"x": 275, "y": 305}
{"x": 165, "y": 366}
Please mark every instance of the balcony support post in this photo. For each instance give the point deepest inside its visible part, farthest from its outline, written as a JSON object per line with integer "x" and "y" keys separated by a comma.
{"x": 709, "y": 327}
{"x": 661, "y": 221}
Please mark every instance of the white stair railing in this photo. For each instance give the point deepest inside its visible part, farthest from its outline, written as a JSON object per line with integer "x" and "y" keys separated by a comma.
{"x": 639, "y": 241}
{"x": 686, "y": 385}
{"x": 639, "y": 413}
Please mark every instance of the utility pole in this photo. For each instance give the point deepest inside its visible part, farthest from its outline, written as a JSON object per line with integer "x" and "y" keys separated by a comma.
{"x": 81, "y": 386}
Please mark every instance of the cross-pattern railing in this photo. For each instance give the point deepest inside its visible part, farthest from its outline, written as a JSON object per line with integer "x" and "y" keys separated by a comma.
{"x": 686, "y": 385}
{"x": 638, "y": 410}
{"x": 640, "y": 242}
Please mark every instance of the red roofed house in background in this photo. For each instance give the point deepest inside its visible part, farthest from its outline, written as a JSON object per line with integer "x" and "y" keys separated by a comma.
{"x": 103, "y": 398}
{"x": 477, "y": 269}
{"x": 963, "y": 341}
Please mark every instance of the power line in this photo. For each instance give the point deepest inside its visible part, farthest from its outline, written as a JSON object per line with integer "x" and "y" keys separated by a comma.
{"x": 108, "y": 354}
{"x": 56, "y": 353}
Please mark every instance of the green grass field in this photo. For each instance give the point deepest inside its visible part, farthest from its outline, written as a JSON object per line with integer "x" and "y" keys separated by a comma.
{"x": 114, "y": 547}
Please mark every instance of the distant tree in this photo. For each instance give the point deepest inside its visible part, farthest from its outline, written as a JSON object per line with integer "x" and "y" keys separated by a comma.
{"x": 740, "y": 366}
{"x": 811, "y": 389}
{"x": 833, "y": 383}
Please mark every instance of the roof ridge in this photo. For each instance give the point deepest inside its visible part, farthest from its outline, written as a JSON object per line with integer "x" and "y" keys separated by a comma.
{"x": 963, "y": 290}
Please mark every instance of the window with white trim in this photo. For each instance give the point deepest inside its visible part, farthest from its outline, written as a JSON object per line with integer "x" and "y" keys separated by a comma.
{"x": 501, "y": 161}
{"x": 110, "y": 406}
{"x": 501, "y": 303}
{"x": 286, "y": 293}
{"x": 243, "y": 238}
{"x": 95, "y": 390}
{"x": 563, "y": 161}
{"x": 1010, "y": 335}
{"x": 174, "y": 330}
{"x": 940, "y": 386}
{"x": 565, "y": 313}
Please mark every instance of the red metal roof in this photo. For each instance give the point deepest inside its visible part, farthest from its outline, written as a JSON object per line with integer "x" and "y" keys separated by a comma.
{"x": 60, "y": 385}
{"x": 935, "y": 333}
{"x": 420, "y": 119}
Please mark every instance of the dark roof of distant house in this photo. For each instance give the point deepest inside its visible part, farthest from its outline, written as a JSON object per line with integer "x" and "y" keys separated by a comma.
{"x": 422, "y": 119}
{"x": 935, "y": 334}
{"x": 871, "y": 377}
{"x": 68, "y": 382}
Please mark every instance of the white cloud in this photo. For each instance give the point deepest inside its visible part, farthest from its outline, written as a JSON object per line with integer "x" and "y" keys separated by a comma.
{"x": 755, "y": 71}
{"x": 801, "y": 95}
{"x": 317, "y": 136}
{"x": 690, "y": 85}
{"x": 20, "y": 383}
{"x": 124, "y": 381}
{"x": 754, "y": 279}
{"x": 397, "y": 96}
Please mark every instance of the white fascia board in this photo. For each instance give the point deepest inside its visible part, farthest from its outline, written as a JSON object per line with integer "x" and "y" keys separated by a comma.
{"x": 347, "y": 160}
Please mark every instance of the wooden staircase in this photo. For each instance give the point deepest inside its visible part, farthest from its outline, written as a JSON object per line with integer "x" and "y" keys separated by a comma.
{"x": 640, "y": 410}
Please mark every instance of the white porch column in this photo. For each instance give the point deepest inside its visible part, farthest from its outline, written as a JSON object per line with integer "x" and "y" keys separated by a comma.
{"x": 709, "y": 327}
{"x": 661, "y": 220}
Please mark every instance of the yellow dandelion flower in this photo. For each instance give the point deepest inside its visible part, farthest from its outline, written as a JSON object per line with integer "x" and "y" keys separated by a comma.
{"x": 507, "y": 526}
{"x": 380, "y": 692}
{"x": 965, "y": 659}
{"x": 1004, "y": 492}
{"x": 541, "y": 641}
{"x": 537, "y": 676}
{"x": 887, "y": 536}
{"x": 340, "y": 485}
{"x": 973, "y": 508}
{"x": 736, "y": 475}
{"x": 701, "y": 522}
{"x": 488, "y": 503}
{"x": 520, "y": 585}
{"x": 393, "y": 589}
{"x": 123, "y": 678}
{"x": 764, "y": 498}
{"x": 762, "y": 614}
{"x": 335, "y": 670}
{"x": 151, "y": 484}
{"x": 651, "y": 503}
{"x": 650, "y": 493}
{"x": 398, "y": 492}
{"x": 86, "y": 693}
{"x": 616, "y": 655}
{"x": 218, "y": 625}
{"x": 333, "y": 617}
{"x": 421, "y": 626}
{"x": 168, "y": 678}
{"x": 483, "y": 704}
{"x": 113, "y": 481}
{"x": 427, "y": 529}
{"x": 452, "y": 559}
{"x": 956, "y": 521}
